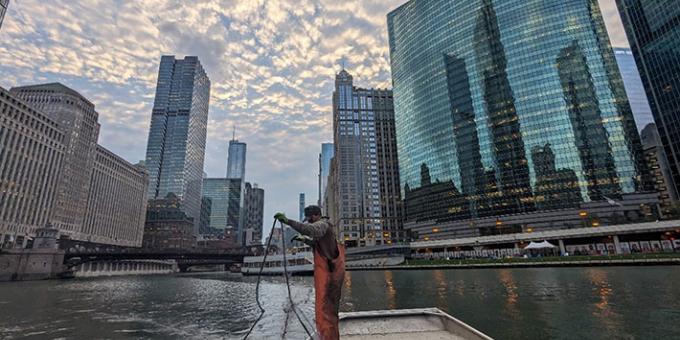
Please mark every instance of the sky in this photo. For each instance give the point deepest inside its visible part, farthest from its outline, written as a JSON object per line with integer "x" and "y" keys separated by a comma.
{"x": 271, "y": 63}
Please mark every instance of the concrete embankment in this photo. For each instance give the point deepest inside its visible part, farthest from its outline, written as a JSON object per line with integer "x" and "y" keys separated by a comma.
{"x": 528, "y": 264}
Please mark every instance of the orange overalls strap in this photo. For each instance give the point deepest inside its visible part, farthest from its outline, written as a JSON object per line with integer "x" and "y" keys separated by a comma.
{"x": 328, "y": 278}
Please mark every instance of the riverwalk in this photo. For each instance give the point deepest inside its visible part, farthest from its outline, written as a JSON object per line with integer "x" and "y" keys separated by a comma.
{"x": 561, "y": 261}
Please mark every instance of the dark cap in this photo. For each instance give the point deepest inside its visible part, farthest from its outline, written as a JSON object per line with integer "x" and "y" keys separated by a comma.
{"x": 312, "y": 210}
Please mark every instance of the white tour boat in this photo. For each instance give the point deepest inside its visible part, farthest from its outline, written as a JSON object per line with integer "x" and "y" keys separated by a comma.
{"x": 300, "y": 263}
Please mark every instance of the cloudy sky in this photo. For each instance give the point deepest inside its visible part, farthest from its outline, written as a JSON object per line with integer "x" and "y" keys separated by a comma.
{"x": 271, "y": 64}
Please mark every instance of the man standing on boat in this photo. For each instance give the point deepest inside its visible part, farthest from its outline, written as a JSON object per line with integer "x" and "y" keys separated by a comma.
{"x": 329, "y": 268}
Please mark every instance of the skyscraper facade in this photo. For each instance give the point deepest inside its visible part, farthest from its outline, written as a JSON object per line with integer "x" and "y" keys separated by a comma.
{"x": 508, "y": 107}
{"x": 254, "y": 213}
{"x": 652, "y": 29}
{"x": 217, "y": 191}
{"x": 77, "y": 117}
{"x": 236, "y": 161}
{"x": 301, "y": 206}
{"x": 235, "y": 212}
{"x": 176, "y": 147}
{"x": 634, "y": 89}
{"x": 659, "y": 168}
{"x": 31, "y": 155}
{"x": 116, "y": 203}
{"x": 324, "y": 170}
{"x": 367, "y": 192}
{"x": 3, "y": 9}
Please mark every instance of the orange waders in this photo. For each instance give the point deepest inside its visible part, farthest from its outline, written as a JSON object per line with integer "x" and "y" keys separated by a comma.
{"x": 328, "y": 278}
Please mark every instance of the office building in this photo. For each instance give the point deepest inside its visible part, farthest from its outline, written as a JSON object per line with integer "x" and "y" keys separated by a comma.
{"x": 176, "y": 146}
{"x": 236, "y": 161}
{"x": 235, "y": 213}
{"x": 3, "y": 10}
{"x": 31, "y": 155}
{"x": 634, "y": 89}
{"x": 301, "y": 206}
{"x": 367, "y": 168}
{"x": 206, "y": 210}
{"x": 116, "y": 204}
{"x": 324, "y": 169}
{"x": 254, "y": 213}
{"x": 77, "y": 118}
{"x": 217, "y": 191}
{"x": 501, "y": 114}
{"x": 167, "y": 226}
{"x": 652, "y": 30}
{"x": 659, "y": 168}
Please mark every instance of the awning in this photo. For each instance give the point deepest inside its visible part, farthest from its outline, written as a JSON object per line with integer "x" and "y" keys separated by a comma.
{"x": 539, "y": 245}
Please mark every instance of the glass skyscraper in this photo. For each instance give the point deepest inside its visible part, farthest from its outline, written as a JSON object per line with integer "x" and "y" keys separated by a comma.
{"x": 653, "y": 30}
{"x": 508, "y": 107}
{"x": 236, "y": 160}
{"x": 176, "y": 146}
{"x": 634, "y": 89}
{"x": 324, "y": 170}
{"x": 217, "y": 190}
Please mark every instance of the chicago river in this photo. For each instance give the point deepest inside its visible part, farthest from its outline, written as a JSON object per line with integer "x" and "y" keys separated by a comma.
{"x": 568, "y": 303}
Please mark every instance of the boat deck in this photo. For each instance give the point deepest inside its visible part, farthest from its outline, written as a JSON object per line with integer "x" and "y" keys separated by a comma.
{"x": 425, "y": 323}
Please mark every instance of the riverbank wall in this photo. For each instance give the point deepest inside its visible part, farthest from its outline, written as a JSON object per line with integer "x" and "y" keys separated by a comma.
{"x": 528, "y": 264}
{"x": 30, "y": 264}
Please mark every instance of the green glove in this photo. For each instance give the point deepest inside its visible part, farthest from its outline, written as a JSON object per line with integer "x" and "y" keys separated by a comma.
{"x": 281, "y": 217}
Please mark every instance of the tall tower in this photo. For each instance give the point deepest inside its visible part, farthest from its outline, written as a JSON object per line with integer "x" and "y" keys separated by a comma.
{"x": 301, "y": 206}
{"x": 77, "y": 117}
{"x": 366, "y": 154}
{"x": 176, "y": 148}
{"x": 652, "y": 30}
{"x": 236, "y": 161}
{"x": 324, "y": 170}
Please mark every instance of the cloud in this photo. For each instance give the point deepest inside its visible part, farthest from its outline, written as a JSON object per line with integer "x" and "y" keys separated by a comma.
{"x": 271, "y": 64}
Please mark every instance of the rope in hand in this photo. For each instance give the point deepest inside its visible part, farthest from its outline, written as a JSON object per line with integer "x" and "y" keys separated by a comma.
{"x": 285, "y": 272}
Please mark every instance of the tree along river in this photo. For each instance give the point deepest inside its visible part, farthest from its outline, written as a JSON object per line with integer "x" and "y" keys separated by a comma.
{"x": 532, "y": 303}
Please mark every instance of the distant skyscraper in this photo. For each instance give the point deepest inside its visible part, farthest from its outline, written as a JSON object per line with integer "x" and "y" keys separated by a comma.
{"x": 235, "y": 212}
{"x": 176, "y": 146}
{"x": 217, "y": 190}
{"x": 367, "y": 193}
{"x": 503, "y": 114}
{"x": 652, "y": 28}
{"x": 324, "y": 169}
{"x": 659, "y": 167}
{"x": 634, "y": 89}
{"x": 254, "y": 213}
{"x": 236, "y": 162}
{"x": 36, "y": 176}
{"x": 77, "y": 117}
{"x": 301, "y": 206}
{"x": 3, "y": 9}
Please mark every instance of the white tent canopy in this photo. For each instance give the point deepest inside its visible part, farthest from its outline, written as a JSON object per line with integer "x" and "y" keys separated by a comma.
{"x": 539, "y": 245}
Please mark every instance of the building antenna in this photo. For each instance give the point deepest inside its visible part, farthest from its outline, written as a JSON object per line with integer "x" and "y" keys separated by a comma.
{"x": 342, "y": 62}
{"x": 233, "y": 136}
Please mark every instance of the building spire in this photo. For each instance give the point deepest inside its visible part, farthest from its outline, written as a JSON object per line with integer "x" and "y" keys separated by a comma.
{"x": 233, "y": 136}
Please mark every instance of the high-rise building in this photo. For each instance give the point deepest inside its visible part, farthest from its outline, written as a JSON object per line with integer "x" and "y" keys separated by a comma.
{"x": 116, "y": 204}
{"x": 236, "y": 161}
{"x": 254, "y": 213}
{"x": 634, "y": 89}
{"x": 235, "y": 213}
{"x": 365, "y": 151}
{"x": 324, "y": 169}
{"x": 659, "y": 167}
{"x": 3, "y": 9}
{"x": 217, "y": 191}
{"x": 652, "y": 30}
{"x": 31, "y": 154}
{"x": 301, "y": 206}
{"x": 206, "y": 211}
{"x": 77, "y": 117}
{"x": 176, "y": 148}
{"x": 501, "y": 114}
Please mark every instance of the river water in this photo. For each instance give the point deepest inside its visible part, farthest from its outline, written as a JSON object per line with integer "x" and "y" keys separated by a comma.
{"x": 532, "y": 303}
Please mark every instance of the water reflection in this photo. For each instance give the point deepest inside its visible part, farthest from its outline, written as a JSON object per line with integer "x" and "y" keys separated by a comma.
{"x": 511, "y": 295}
{"x": 390, "y": 290}
{"x": 604, "y": 311}
{"x": 442, "y": 288}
